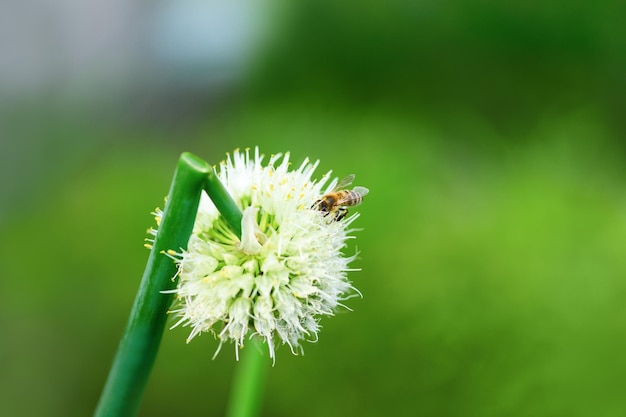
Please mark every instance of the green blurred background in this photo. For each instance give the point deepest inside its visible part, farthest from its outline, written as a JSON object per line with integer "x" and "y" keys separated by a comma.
{"x": 491, "y": 136}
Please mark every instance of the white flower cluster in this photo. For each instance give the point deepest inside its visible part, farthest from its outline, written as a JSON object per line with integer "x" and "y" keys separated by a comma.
{"x": 286, "y": 271}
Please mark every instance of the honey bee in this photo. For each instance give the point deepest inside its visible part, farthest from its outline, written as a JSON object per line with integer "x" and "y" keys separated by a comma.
{"x": 335, "y": 204}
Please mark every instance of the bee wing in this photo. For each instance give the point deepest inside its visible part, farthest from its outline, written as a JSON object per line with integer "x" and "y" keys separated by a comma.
{"x": 344, "y": 183}
{"x": 361, "y": 190}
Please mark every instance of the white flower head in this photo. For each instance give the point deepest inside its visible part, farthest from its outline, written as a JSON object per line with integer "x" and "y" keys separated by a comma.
{"x": 287, "y": 270}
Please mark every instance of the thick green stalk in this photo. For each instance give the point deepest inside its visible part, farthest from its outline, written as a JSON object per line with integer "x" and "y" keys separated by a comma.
{"x": 247, "y": 387}
{"x": 127, "y": 378}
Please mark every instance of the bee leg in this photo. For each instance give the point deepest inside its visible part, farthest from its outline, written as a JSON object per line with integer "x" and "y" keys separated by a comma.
{"x": 341, "y": 213}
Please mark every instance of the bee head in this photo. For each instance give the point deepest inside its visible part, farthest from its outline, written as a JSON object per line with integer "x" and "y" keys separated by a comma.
{"x": 322, "y": 205}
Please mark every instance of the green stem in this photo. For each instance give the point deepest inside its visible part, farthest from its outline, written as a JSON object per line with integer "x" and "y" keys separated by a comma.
{"x": 129, "y": 373}
{"x": 224, "y": 202}
{"x": 247, "y": 388}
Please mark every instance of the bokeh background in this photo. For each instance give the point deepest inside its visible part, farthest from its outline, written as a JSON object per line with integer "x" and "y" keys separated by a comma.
{"x": 491, "y": 135}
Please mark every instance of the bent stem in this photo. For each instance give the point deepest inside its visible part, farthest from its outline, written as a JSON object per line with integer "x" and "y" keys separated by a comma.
{"x": 123, "y": 390}
{"x": 135, "y": 356}
{"x": 224, "y": 202}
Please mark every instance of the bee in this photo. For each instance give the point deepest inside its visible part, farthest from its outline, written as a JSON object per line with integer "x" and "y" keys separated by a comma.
{"x": 335, "y": 204}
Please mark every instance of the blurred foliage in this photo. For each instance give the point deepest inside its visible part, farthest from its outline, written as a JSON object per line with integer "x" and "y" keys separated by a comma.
{"x": 491, "y": 138}
{"x": 510, "y": 61}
